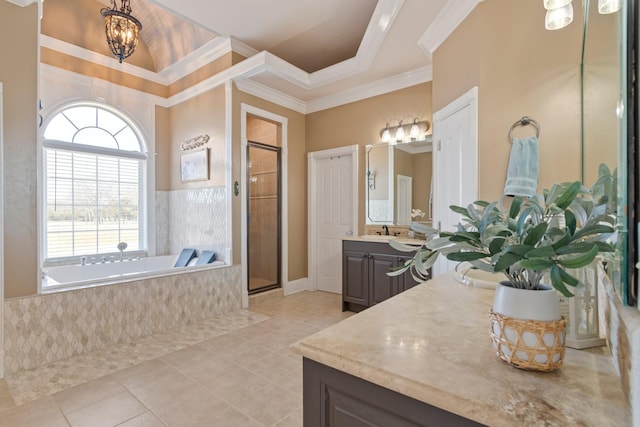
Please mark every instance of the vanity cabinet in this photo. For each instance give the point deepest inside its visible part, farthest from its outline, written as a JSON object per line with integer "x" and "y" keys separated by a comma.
{"x": 364, "y": 273}
{"x": 333, "y": 398}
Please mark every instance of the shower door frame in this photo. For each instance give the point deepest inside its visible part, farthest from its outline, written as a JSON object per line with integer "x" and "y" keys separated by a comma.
{"x": 278, "y": 151}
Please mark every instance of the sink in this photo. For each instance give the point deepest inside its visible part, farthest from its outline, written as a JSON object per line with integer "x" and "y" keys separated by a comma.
{"x": 478, "y": 278}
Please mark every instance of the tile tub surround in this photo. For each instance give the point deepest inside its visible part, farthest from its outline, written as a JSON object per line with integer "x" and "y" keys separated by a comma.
{"x": 41, "y": 329}
{"x": 432, "y": 343}
{"x": 223, "y": 371}
{"x": 194, "y": 218}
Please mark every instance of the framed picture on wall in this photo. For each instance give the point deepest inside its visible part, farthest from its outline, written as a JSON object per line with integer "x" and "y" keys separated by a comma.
{"x": 194, "y": 165}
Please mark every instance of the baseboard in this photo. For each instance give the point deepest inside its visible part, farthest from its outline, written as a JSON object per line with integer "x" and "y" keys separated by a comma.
{"x": 296, "y": 286}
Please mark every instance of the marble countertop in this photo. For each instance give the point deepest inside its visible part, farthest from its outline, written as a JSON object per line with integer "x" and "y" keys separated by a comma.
{"x": 385, "y": 239}
{"x": 432, "y": 343}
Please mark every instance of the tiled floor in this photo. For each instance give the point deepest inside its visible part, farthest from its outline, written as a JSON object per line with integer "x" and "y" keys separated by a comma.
{"x": 231, "y": 370}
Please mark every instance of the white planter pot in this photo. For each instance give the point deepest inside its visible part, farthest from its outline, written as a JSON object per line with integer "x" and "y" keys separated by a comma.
{"x": 527, "y": 329}
{"x": 524, "y": 304}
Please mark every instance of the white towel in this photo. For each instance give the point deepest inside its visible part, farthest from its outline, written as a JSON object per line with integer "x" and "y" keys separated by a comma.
{"x": 522, "y": 174}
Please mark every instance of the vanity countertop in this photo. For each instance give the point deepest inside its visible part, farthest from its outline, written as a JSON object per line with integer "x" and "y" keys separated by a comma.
{"x": 432, "y": 343}
{"x": 385, "y": 239}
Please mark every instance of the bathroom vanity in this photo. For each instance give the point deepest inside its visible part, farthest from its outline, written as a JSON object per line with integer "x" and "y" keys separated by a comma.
{"x": 366, "y": 261}
{"x": 424, "y": 357}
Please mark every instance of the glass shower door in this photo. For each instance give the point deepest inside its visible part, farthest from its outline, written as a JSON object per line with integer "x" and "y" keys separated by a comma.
{"x": 264, "y": 217}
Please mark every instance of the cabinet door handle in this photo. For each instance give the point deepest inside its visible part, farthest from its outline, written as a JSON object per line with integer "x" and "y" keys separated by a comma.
{"x": 370, "y": 256}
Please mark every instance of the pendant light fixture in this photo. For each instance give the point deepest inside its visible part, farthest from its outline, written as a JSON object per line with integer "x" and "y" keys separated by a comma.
{"x": 121, "y": 28}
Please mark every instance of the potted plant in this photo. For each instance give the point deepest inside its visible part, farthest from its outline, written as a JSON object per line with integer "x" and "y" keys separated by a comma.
{"x": 535, "y": 243}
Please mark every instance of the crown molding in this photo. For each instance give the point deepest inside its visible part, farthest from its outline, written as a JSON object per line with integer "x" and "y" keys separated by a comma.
{"x": 380, "y": 87}
{"x": 23, "y": 3}
{"x": 452, "y": 15}
{"x": 204, "y": 55}
{"x": 268, "y": 94}
{"x": 211, "y": 51}
{"x": 96, "y": 58}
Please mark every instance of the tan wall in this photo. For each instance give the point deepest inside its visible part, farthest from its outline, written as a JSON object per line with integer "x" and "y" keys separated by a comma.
{"x": 361, "y": 122}
{"x": 297, "y": 181}
{"x": 18, "y": 73}
{"x": 90, "y": 69}
{"x": 202, "y": 115}
{"x": 422, "y": 172}
{"x": 521, "y": 69}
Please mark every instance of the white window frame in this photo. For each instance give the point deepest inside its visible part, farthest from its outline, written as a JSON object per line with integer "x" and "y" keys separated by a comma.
{"x": 142, "y": 155}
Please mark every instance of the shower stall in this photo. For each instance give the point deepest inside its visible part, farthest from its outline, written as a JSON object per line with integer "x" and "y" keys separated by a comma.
{"x": 264, "y": 219}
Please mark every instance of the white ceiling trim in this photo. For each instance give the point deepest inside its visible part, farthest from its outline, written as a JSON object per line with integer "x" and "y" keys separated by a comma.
{"x": 246, "y": 68}
{"x": 204, "y": 55}
{"x": 268, "y": 94}
{"x": 23, "y": 3}
{"x": 55, "y": 74}
{"x": 96, "y": 58}
{"x": 386, "y": 85}
{"x": 383, "y": 16}
{"x": 451, "y": 15}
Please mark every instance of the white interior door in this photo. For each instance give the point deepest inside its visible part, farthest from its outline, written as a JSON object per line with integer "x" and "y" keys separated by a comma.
{"x": 334, "y": 209}
{"x": 404, "y": 197}
{"x": 455, "y": 163}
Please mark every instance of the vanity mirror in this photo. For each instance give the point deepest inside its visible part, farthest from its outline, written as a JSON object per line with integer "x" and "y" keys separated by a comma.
{"x": 398, "y": 182}
{"x": 608, "y": 124}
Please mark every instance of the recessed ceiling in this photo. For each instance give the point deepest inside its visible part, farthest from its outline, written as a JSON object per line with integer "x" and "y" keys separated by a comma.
{"x": 305, "y": 50}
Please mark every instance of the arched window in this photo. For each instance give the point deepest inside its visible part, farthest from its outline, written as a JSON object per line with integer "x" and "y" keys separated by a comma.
{"x": 94, "y": 168}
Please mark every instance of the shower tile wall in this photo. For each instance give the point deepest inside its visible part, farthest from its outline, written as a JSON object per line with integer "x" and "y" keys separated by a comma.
{"x": 41, "y": 329}
{"x": 162, "y": 223}
{"x": 191, "y": 218}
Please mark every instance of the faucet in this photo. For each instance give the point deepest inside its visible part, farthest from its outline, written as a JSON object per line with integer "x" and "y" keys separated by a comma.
{"x": 121, "y": 247}
{"x": 386, "y": 229}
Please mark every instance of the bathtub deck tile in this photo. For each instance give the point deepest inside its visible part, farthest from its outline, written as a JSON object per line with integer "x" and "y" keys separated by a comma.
{"x": 212, "y": 364}
{"x": 28, "y": 385}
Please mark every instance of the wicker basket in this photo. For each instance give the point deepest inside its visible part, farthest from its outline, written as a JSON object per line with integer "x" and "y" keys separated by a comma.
{"x": 528, "y": 344}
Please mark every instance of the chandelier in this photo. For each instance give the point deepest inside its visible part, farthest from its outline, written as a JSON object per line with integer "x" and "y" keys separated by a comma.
{"x": 122, "y": 29}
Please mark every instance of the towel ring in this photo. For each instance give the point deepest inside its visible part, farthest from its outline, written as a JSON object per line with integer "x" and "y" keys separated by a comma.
{"x": 524, "y": 121}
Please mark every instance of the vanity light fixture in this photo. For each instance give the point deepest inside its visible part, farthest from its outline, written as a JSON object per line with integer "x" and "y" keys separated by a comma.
{"x": 608, "y": 6}
{"x": 555, "y": 4}
{"x": 413, "y": 130}
{"x": 121, "y": 28}
{"x": 559, "y": 18}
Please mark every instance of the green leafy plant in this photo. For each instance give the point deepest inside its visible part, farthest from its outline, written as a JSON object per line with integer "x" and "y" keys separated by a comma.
{"x": 563, "y": 229}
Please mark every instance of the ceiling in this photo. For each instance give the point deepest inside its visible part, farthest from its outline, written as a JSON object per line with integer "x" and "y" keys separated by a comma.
{"x": 308, "y": 51}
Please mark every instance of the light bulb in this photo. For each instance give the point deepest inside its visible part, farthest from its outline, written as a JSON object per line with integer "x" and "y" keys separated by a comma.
{"x": 608, "y": 6}
{"x": 415, "y": 130}
{"x": 400, "y": 133}
{"x": 559, "y": 18}
{"x": 555, "y": 4}
{"x": 386, "y": 134}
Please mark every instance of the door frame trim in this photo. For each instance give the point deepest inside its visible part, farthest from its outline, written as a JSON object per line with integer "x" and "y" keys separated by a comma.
{"x": 312, "y": 192}
{"x": 245, "y": 110}
{"x": 468, "y": 99}
{"x": 1, "y": 242}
